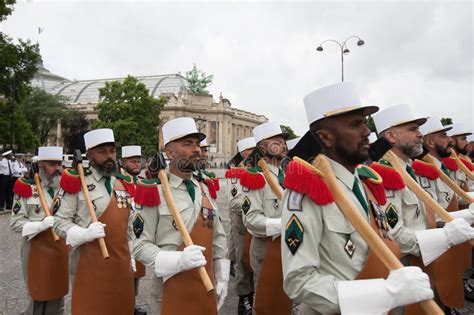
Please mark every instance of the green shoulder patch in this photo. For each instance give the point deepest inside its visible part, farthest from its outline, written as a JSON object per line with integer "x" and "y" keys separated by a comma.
{"x": 294, "y": 234}
{"x": 16, "y": 207}
{"x": 392, "y": 215}
{"x": 366, "y": 172}
{"x": 138, "y": 224}
{"x": 246, "y": 205}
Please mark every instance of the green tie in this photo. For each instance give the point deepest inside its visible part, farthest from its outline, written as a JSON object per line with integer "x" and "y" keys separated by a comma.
{"x": 190, "y": 188}
{"x": 444, "y": 169}
{"x": 359, "y": 195}
{"x": 281, "y": 177}
{"x": 410, "y": 171}
{"x": 108, "y": 186}
{"x": 51, "y": 192}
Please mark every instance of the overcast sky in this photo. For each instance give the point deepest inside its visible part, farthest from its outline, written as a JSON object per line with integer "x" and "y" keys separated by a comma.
{"x": 263, "y": 54}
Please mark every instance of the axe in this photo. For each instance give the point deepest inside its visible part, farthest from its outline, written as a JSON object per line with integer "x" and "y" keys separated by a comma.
{"x": 159, "y": 165}
{"x": 77, "y": 164}
{"x": 461, "y": 165}
{"x": 236, "y": 160}
{"x": 428, "y": 158}
{"x": 39, "y": 189}
{"x": 382, "y": 149}
{"x": 352, "y": 214}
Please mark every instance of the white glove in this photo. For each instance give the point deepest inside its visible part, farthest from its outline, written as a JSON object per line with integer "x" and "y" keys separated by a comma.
{"x": 134, "y": 264}
{"x": 466, "y": 214}
{"x": 222, "y": 273}
{"x": 168, "y": 263}
{"x": 32, "y": 229}
{"x": 403, "y": 286}
{"x": 458, "y": 231}
{"x": 272, "y": 226}
{"x": 77, "y": 236}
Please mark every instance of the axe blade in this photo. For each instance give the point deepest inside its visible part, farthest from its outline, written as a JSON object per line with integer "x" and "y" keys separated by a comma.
{"x": 236, "y": 159}
{"x": 307, "y": 148}
{"x": 160, "y": 162}
{"x": 77, "y": 158}
{"x": 253, "y": 158}
{"x": 379, "y": 148}
{"x": 35, "y": 167}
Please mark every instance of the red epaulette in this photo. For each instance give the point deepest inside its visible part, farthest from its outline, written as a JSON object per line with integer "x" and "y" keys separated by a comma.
{"x": 252, "y": 179}
{"x": 424, "y": 169}
{"x": 216, "y": 183}
{"x": 146, "y": 193}
{"x": 235, "y": 172}
{"x": 450, "y": 164}
{"x": 467, "y": 163}
{"x": 23, "y": 188}
{"x": 374, "y": 183}
{"x": 128, "y": 184}
{"x": 211, "y": 187}
{"x": 303, "y": 178}
{"x": 391, "y": 179}
{"x": 70, "y": 181}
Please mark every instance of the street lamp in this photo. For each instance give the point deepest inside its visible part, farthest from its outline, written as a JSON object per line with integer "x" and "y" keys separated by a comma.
{"x": 343, "y": 47}
{"x": 200, "y": 122}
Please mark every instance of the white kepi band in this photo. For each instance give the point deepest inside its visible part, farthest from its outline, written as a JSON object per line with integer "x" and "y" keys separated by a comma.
{"x": 433, "y": 125}
{"x": 50, "y": 153}
{"x": 97, "y": 137}
{"x": 394, "y": 116}
{"x": 246, "y": 143}
{"x": 178, "y": 128}
{"x": 267, "y": 130}
{"x": 129, "y": 151}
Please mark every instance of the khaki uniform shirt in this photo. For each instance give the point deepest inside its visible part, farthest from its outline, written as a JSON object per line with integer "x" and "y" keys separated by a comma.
{"x": 312, "y": 273}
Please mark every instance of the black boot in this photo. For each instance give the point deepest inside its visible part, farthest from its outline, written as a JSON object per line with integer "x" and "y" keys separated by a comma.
{"x": 451, "y": 311}
{"x": 232, "y": 268}
{"x": 139, "y": 311}
{"x": 245, "y": 305}
{"x": 468, "y": 291}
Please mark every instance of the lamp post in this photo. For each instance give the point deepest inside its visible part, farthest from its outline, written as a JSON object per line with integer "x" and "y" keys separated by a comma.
{"x": 12, "y": 121}
{"x": 344, "y": 50}
{"x": 200, "y": 122}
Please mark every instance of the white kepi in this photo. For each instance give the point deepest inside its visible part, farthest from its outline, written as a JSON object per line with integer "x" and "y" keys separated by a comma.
{"x": 246, "y": 143}
{"x": 459, "y": 130}
{"x": 292, "y": 143}
{"x": 129, "y": 151}
{"x": 394, "y": 116}
{"x": 332, "y": 100}
{"x": 50, "y": 154}
{"x": 434, "y": 125}
{"x": 178, "y": 128}
{"x": 267, "y": 130}
{"x": 97, "y": 137}
{"x": 204, "y": 144}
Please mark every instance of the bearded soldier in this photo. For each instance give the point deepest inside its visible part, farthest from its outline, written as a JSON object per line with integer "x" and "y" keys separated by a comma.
{"x": 44, "y": 260}
{"x": 177, "y": 287}
{"x": 100, "y": 286}
{"x": 327, "y": 265}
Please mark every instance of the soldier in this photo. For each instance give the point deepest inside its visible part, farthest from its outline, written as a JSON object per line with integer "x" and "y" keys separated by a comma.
{"x": 324, "y": 257}
{"x": 131, "y": 166}
{"x": 411, "y": 223}
{"x": 262, "y": 217}
{"x": 44, "y": 261}
{"x": 244, "y": 285}
{"x": 6, "y": 179}
{"x": 100, "y": 286}
{"x": 177, "y": 287}
{"x": 210, "y": 178}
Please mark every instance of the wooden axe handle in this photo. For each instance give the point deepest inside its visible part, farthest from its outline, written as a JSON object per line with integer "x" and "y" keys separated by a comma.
{"x": 461, "y": 165}
{"x": 90, "y": 207}
{"x": 181, "y": 226}
{"x": 362, "y": 227}
{"x": 270, "y": 180}
{"x": 44, "y": 205}
{"x": 448, "y": 181}
{"x": 430, "y": 203}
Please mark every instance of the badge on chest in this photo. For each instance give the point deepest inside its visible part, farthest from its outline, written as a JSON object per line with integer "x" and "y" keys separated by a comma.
{"x": 123, "y": 198}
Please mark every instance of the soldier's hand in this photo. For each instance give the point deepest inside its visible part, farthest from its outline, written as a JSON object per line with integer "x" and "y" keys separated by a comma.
{"x": 458, "y": 231}
{"x": 192, "y": 257}
{"x": 222, "y": 273}
{"x": 466, "y": 214}
{"x": 94, "y": 231}
{"x": 47, "y": 223}
{"x": 407, "y": 285}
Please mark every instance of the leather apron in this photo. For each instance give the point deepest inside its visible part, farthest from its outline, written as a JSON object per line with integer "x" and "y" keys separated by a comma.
{"x": 184, "y": 293}
{"x": 140, "y": 270}
{"x": 105, "y": 286}
{"x": 246, "y": 251}
{"x": 467, "y": 248}
{"x": 48, "y": 267}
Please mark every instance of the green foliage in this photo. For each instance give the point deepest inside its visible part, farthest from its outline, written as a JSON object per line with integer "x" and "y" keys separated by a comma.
{"x": 198, "y": 81}
{"x": 43, "y": 110}
{"x": 6, "y": 8}
{"x": 133, "y": 115}
{"x": 370, "y": 124}
{"x": 24, "y": 137}
{"x": 289, "y": 131}
{"x": 446, "y": 121}
{"x": 74, "y": 125}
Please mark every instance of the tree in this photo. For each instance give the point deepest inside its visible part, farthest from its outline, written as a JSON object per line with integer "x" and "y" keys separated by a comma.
{"x": 289, "y": 131}
{"x": 6, "y": 8}
{"x": 370, "y": 124}
{"x": 198, "y": 81}
{"x": 446, "y": 121}
{"x": 43, "y": 110}
{"x": 25, "y": 138}
{"x": 131, "y": 112}
{"x": 74, "y": 125}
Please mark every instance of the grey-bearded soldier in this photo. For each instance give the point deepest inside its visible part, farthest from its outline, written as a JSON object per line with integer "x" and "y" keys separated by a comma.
{"x": 100, "y": 286}
{"x": 327, "y": 265}
{"x": 44, "y": 260}
{"x": 177, "y": 287}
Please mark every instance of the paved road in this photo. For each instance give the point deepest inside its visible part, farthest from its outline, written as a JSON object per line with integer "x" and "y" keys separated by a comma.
{"x": 12, "y": 289}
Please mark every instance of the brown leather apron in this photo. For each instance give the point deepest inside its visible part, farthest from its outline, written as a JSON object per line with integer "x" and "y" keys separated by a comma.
{"x": 184, "y": 293}
{"x": 246, "y": 251}
{"x": 466, "y": 247}
{"x": 140, "y": 270}
{"x": 48, "y": 267}
{"x": 105, "y": 286}
{"x": 270, "y": 297}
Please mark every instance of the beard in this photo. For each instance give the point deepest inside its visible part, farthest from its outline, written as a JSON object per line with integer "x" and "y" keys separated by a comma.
{"x": 353, "y": 158}
{"x": 132, "y": 172}
{"x": 186, "y": 164}
{"x": 411, "y": 149}
{"x": 50, "y": 180}
{"x": 103, "y": 169}
{"x": 442, "y": 152}
{"x": 462, "y": 151}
